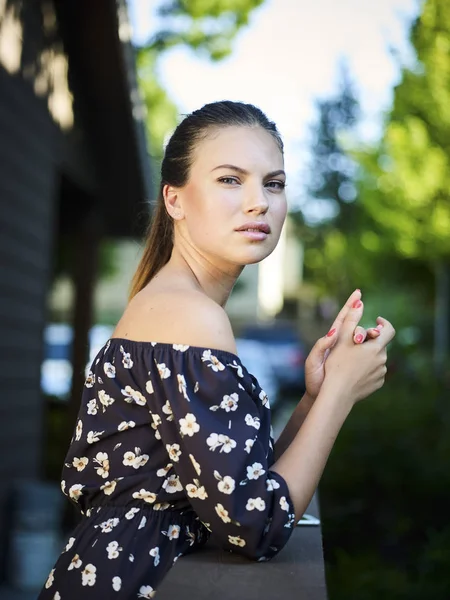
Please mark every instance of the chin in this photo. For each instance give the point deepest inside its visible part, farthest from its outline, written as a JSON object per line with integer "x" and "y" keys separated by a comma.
{"x": 255, "y": 256}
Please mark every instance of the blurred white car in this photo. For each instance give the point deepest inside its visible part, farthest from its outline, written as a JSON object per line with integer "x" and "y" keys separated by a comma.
{"x": 254, "y": 357}
{"x": 56, "y": 368}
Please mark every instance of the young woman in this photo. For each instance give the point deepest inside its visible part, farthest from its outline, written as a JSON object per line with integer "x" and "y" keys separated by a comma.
{"x": 173, "y": 440}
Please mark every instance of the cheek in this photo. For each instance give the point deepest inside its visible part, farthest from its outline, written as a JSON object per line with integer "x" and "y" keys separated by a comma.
{"x": 211, "y": 204}
{"x": 280, "y": 211}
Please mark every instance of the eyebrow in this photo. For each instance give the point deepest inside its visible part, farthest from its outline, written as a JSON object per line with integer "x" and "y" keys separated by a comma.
{"x": 245, "y": 172}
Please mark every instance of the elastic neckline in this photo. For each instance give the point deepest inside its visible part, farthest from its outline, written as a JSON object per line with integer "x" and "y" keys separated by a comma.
{"x": 169, "y": 346}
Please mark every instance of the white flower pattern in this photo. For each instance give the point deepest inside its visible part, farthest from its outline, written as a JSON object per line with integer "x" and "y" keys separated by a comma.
{"x": 230, "y": 402}
{"x": 92, "y": 407}
{"x": 172, "y": 484}
{"x": 133, "y": 396}
{"x": 88, "y": 575}
{"x": 109, "y": 369}
{"x": 146, "y": 591}
{"x": 173, "y": 450}
{"x": 212, "y": 361}
{"x": 80, "y": 463}
{"x": 113, "y": 549}
{"x": 155, "y": 553}
{"x": 105, "y": 399}
{"x": 189, "y": 425}
{"x": 116, "y": 584}
{"x": 145, "y": 495}
{"x": 102, "y": 460}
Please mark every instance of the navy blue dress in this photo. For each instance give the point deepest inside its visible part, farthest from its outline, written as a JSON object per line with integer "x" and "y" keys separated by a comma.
{"x": 173, "y": 443}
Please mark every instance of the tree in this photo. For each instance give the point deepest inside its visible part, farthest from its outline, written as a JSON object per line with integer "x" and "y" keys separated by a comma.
{"x": 331, "y": 192}
{"x": 205, "y": 26}
{"x": 406, "y": 186}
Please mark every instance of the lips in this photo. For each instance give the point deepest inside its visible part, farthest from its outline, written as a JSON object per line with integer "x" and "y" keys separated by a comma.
{"x": 255, "y": 227}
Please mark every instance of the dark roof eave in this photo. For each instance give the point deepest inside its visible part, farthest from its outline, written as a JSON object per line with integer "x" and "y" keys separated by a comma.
{"x": 104, "y": 69}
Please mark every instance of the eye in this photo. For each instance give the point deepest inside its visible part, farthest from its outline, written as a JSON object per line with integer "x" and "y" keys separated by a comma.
{"x": 276, "y": 184}
{"x": 228, "y": 180}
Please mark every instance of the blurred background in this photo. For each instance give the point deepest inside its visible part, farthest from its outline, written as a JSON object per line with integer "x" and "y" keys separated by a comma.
{"x": 89, "y": 92}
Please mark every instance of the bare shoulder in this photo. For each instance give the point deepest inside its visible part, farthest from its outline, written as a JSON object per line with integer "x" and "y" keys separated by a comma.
{"x": 189, "y": 318}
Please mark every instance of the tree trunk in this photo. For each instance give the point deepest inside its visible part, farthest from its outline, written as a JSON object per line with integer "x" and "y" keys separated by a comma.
{"x": 441, "y": 317}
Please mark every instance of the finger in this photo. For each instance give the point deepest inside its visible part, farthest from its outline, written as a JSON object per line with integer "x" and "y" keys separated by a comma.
{"x": 359, "y": 335}
{"x": 322, "y": 347}
{"x": 387, "y": 331}
{"x": 373, "y": 333}
{"x": 354, "y": 297}
{"x": 351, "y": 320}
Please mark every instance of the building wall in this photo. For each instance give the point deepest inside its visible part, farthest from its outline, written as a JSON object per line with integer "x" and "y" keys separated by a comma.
{"x": 27, "y": 197}
{"x": 35, "y": 112}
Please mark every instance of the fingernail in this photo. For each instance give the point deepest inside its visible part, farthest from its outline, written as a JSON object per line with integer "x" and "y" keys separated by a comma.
{"x": 359, "y": 338}
{"x": 357, "y": 304}
{"x": 331, "y": 332}
{"x": 375, "y": 330}
{"x": 357, "y": 290}
{"x": 380, "y": 326}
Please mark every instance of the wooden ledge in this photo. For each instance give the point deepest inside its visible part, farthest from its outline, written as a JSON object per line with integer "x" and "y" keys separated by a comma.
{"x": 297, "y": 572}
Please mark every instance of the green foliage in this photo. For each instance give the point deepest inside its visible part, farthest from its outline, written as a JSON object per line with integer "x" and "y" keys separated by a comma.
{"x": 335, "y": 246}
{"x": 385, "y": 493}
{"x": 205, "y": 25}
{"x": 161, "y": 111}
{"x": 386, "y": 489}
{"x": 406, "y": 181}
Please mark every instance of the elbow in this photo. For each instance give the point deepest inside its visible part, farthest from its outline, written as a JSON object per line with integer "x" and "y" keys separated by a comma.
{"x": 237, "y": 544}
{"x": 254, "y": 542}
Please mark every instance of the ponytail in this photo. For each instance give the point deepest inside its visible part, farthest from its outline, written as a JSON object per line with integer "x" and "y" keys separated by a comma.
{"x": 157, "y": 250}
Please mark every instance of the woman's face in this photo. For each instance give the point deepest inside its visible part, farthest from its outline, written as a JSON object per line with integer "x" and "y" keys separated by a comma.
{"x": 233, "y": 206}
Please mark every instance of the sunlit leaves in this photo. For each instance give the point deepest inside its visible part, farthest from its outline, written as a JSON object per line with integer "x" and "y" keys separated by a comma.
{"x": 205, "y": 25}
{"x": 161, "y": 111}
{"x": 411, "y": 198}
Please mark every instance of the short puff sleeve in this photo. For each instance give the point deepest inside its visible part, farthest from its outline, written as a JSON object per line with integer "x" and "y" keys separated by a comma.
{"x": 215, "y": 426}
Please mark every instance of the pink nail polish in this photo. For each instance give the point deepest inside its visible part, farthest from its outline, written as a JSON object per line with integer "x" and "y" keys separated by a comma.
{"x": 357, "y": 304}
{"x": 359, "y": 338}
{"x": 331, "y": 332}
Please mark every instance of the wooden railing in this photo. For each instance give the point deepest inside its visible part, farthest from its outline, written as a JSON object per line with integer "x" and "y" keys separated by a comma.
{"x": 296, "y": 573}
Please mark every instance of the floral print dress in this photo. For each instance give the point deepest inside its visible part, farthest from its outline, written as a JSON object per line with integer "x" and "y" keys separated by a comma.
{"x": 172, "y": 444}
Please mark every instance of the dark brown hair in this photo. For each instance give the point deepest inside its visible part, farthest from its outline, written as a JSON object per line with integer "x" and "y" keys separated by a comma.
{"x": 175, "y": 170}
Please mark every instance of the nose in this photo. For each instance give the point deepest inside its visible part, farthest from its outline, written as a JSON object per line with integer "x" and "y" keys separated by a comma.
{"x": 256, "y": 202}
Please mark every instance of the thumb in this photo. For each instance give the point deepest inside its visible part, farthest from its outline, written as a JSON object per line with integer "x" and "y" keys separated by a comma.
{"x": 351, "y": 320}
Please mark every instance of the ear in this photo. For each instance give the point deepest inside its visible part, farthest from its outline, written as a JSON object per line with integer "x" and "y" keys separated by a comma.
{"x": 171, "y": 196}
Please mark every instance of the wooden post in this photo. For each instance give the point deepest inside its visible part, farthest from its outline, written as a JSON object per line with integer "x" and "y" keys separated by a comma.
{"x": 85, "y": 270}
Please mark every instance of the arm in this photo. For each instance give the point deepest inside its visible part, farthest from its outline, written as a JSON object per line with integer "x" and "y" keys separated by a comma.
{"x": 315, "y": 372}
{"x": 354, "y": 371}
{"x": 293, "y": 425}
{"x": 303, "y": 461}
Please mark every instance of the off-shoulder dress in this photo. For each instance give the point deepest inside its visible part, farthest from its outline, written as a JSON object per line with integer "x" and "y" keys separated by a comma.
{"x": 173, "y": 443}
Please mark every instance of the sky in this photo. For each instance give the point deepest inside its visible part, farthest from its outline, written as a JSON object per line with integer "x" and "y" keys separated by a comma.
{"x": 287, "y": 57}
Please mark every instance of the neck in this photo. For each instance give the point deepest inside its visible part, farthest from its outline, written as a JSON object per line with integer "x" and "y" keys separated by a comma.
{"x": 215, "y": 280}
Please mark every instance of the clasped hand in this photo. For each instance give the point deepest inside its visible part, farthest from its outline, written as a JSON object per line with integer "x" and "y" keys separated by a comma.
{"x": 315, "y": 363}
